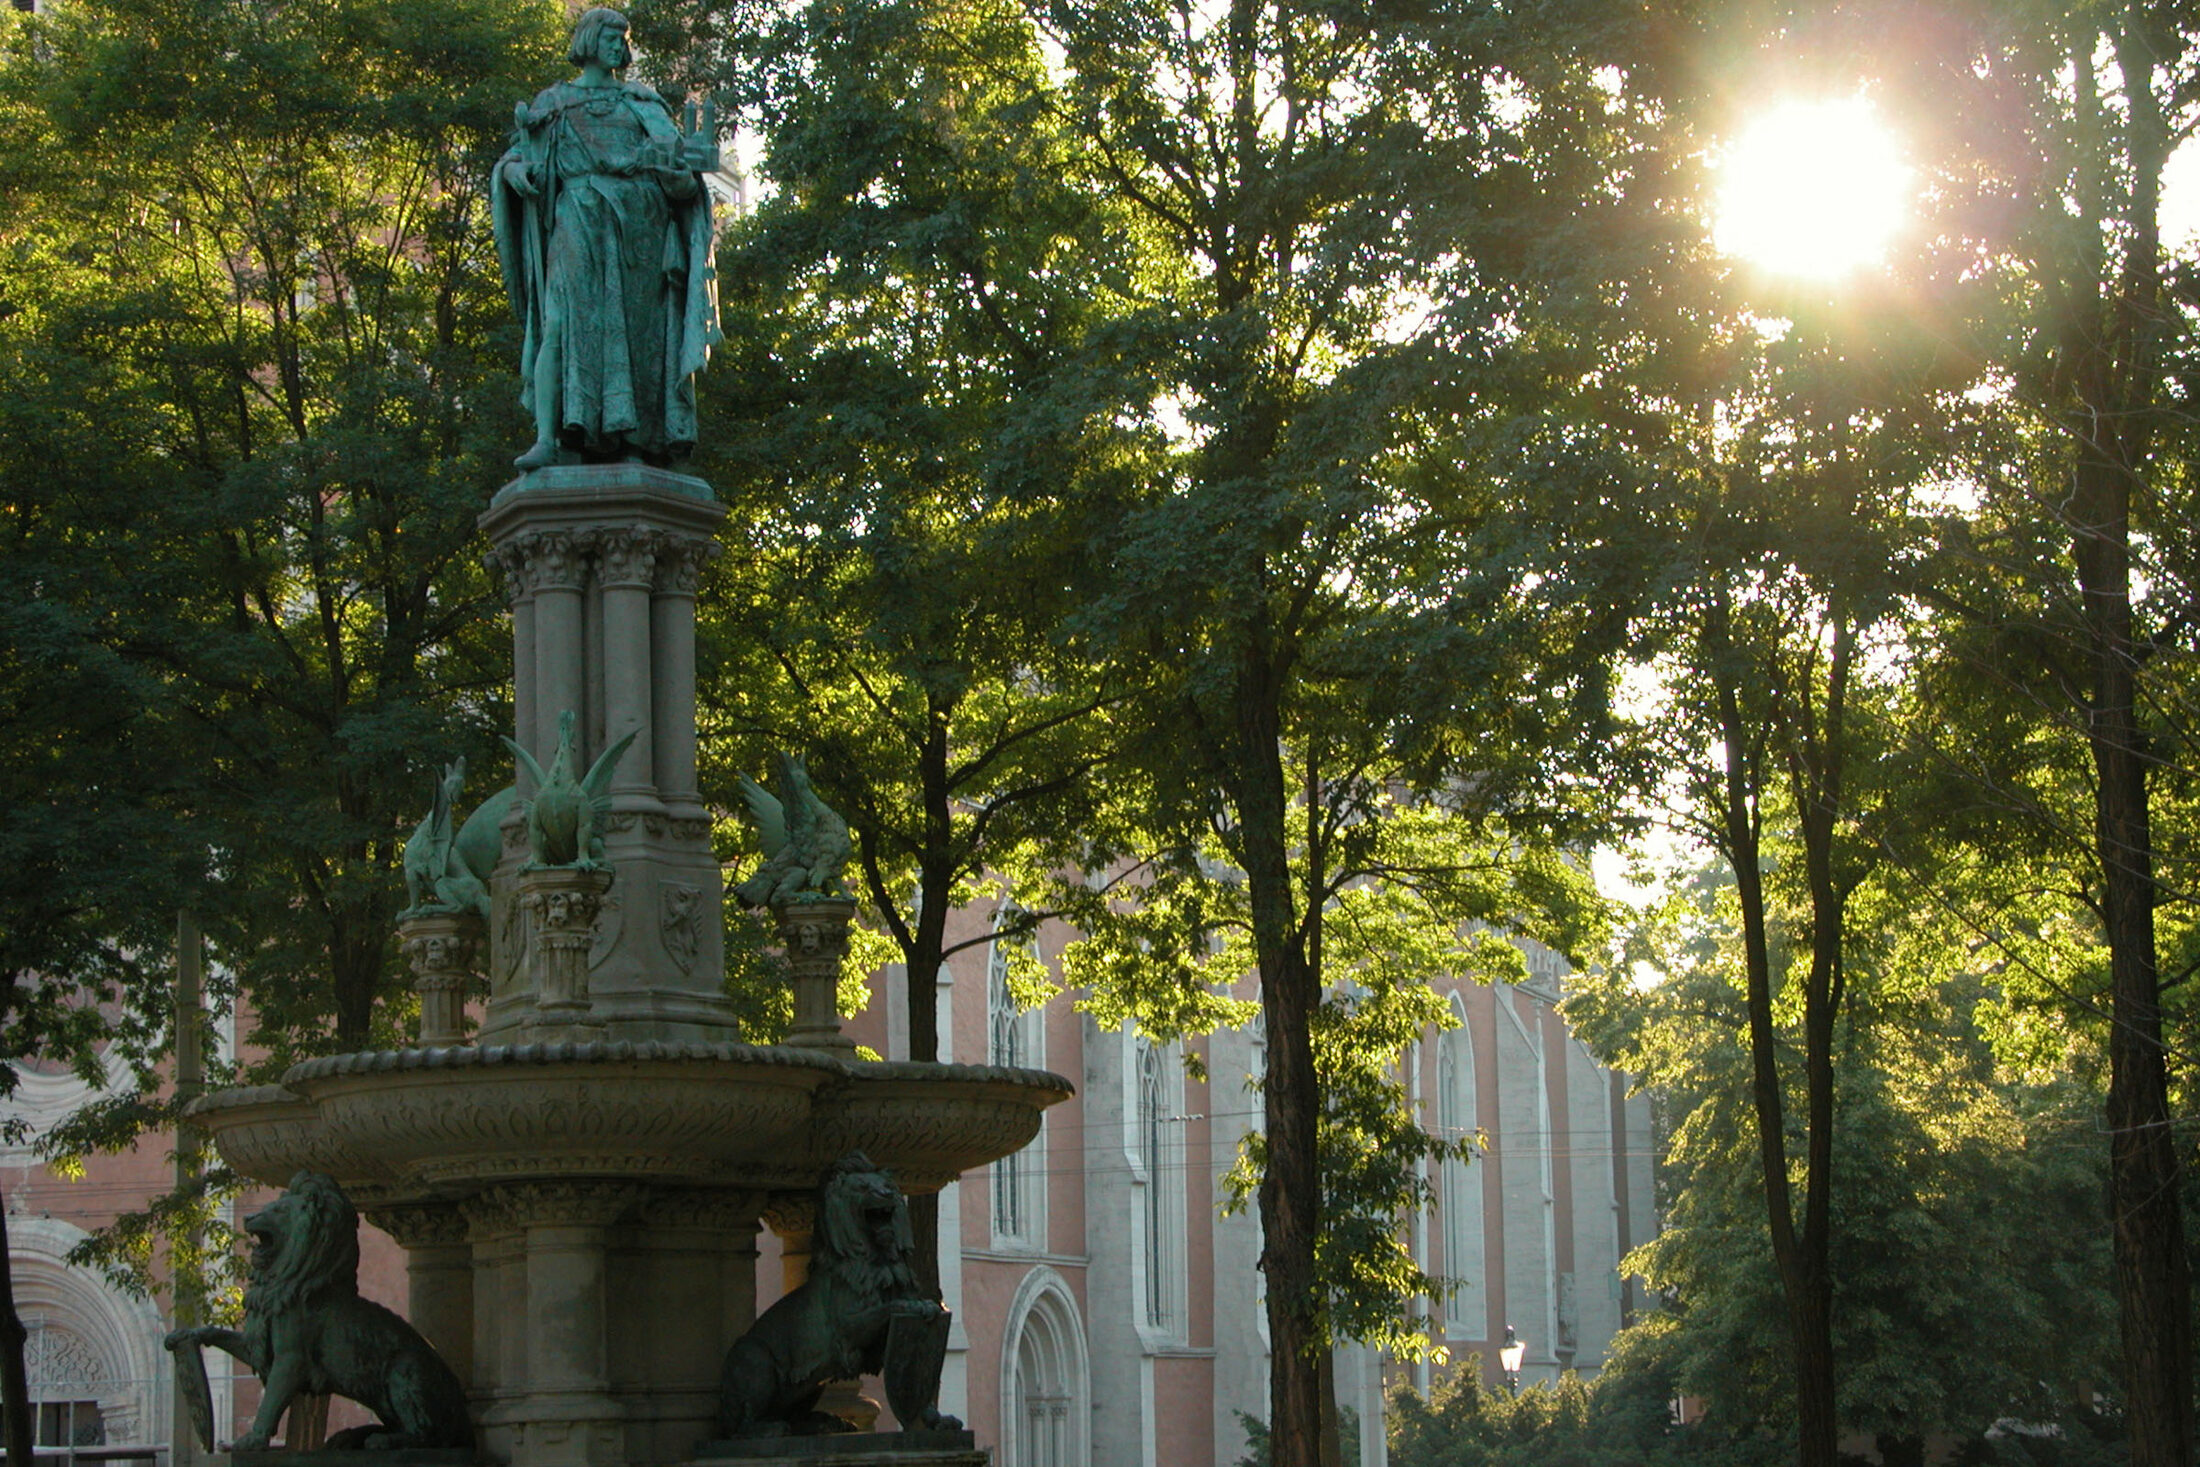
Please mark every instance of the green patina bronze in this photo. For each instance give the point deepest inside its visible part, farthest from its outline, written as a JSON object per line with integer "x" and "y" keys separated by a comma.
{"x": 307, "y": 1331}
{"x": 860, "y": 1312}
{"x": 565, "y": 819}
{"x": 446, "y": 869}
{"x": 603, "y": 227}
{"x": 805, "y": 844}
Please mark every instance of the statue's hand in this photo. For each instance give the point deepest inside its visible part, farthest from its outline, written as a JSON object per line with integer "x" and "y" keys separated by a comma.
{"x": 519, "y": 177}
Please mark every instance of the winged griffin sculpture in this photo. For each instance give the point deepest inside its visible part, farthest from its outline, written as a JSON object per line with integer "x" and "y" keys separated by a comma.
{"x": 565, "y": 819}
{"x": 805, "y": 844}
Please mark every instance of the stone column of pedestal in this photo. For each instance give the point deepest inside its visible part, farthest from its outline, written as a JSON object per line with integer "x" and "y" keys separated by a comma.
{"x": 500, "y": 1313}
{"x": 519, "y": 596}
{"x": 441, "y": 947}
{"x": 814, "y": 933}
{"x": 565, "y": 1415}
{"x": 558, "y": 567}
{"x": 689, "y": 1291}
{"x": 562, "y": 904}
{"x": 679, "y": 571}
{"x": 439, "y": 1277}
{"x": 626, "y": 567}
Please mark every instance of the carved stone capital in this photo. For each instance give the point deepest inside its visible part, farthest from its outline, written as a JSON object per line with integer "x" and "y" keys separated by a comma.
{"x": 423, "y": 1225}
{"x": 563, "y": 916}
{"x": 680, "y": 565}
{"x": 509, "y": 572}
{"x": 695, "y": 1208}
{"x": 693, "y": 829}
{"x": 815, "y": 933}
{"x": 548, "y": 560}
{"x": 790, "y": 1214}
{"x": 580, "y": 1204}
{"x": 440, "y": 949}
{"x": 628, "y": 557}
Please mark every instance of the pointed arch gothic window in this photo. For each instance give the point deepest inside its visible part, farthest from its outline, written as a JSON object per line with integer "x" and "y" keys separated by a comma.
{"x": 1458, "y": 1118}
{"x": 1160, "y": 1184}
{"x": 1013, "y": 1037}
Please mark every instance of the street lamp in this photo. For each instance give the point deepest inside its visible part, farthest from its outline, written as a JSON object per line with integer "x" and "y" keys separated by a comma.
{"x": 1508, "y": 1359}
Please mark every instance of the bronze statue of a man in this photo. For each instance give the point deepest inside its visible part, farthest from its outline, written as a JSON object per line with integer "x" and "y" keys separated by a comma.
{"x": 604, "y": 231}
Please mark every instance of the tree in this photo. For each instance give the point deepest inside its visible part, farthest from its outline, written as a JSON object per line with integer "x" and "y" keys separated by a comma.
{"x": 1338, "y": 592}
{"x": 255, "y": 263}
{"x": 2082, "y": 543}
{"x": 1967, "y": 1177}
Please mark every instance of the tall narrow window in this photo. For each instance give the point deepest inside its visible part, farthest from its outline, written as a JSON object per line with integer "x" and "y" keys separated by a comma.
{"x": 1151, "y": 1118}
{"x": 1012, "y": 1038}
{"x": 1160, "y": 1184}
{"x": 1457, "y": 1117}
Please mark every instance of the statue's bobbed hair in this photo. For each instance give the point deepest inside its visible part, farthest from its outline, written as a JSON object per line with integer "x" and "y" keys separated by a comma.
{"x": 588, "y": 32}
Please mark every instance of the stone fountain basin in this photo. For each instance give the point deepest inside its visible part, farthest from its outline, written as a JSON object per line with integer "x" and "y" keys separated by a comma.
{"x": 425, "y": 1124}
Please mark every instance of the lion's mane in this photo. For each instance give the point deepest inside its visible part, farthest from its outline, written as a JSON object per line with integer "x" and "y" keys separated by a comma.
{"x": 872, "y": 1268}
{"x": 316, "y": 1262}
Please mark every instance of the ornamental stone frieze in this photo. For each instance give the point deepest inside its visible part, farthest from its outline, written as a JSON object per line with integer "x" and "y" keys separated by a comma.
{"x": 564, "y": 1204}
{"x": 423, "y": 1225}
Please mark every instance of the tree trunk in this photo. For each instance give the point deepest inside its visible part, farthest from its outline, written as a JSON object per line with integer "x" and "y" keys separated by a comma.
{"x": 15, "y": 1386}
{"x": 2153, "y": 1279}
{"x": 1805, "y": 1281}
{"x": 1290, "y": 1186}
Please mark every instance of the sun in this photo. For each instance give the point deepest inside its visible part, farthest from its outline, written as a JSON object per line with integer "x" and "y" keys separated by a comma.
{"x": 1812, "y": 188}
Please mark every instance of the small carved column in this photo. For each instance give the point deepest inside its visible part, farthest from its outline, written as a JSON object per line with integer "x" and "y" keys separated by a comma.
{"x": 814, "y": 932}
{"x": 441, "y": 947}
{"x": 562, "y": 904}
{"x": 626, "y": 567}
{"x": 439, "y": 1277}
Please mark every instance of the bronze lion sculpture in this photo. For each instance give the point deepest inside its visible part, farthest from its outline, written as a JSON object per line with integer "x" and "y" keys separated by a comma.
{"x": 860, "y": 1312}
{"x": 307, "y": 1331}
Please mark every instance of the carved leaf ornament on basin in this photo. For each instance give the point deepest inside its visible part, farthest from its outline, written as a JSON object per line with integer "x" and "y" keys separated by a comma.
{"x": 445, "y": 1122}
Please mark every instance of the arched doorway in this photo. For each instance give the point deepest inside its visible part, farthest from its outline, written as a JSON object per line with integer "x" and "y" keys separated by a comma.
{"x": 1045, "y": 1384}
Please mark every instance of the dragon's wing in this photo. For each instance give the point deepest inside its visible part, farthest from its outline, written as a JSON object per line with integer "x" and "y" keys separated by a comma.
{"x": 795, "y": 797}
{"x": 596, "y": 784}
{"x": 527, "y": 762}
{"x": 770, "y": 818}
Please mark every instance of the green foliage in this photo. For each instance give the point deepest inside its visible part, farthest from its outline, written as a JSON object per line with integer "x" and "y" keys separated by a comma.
{"x": 1968, "y": 1198}
{"x": 252, "y": 308}
{"x": 1618, "y": 1419}
{"x": 898, "y": 401}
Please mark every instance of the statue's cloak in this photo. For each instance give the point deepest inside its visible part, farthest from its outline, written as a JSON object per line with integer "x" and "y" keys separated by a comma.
{"x": 522, "y": 226}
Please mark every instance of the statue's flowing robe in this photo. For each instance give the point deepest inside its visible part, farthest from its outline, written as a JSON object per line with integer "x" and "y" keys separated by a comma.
{"x": 625, "y": 269}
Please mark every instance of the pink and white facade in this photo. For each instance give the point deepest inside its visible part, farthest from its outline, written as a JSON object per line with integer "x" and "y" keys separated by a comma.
{"x": 1110, "y": 1316}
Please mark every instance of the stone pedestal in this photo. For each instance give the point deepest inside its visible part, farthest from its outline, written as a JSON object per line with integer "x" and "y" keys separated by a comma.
{"x": 600, "y": 563}
{"x": 814, "y": 933}
{"x": 442, "y": 948}
{"x": 606, "y": 1310}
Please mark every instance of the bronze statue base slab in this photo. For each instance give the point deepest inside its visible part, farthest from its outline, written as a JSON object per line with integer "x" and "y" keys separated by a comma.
{"x": 354, "y": 1457}
{"x": 919, "y": 1448}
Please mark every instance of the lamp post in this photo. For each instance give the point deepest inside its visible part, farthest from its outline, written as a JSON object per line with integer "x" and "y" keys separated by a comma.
{"x": 1508, "y": 1359}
